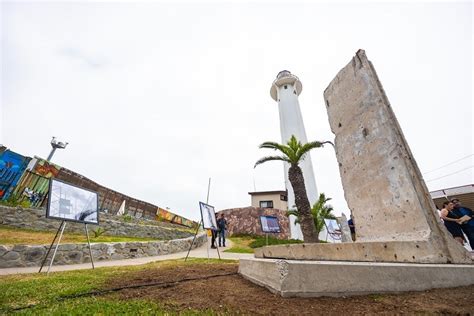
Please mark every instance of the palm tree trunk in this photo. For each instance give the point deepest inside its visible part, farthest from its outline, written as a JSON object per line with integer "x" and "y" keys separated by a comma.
{"x": 308, "y": 229}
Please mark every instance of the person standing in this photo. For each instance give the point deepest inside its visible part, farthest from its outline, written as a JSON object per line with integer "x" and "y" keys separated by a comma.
{"x": 451, "y": 221}
{"x": 213, "y": 238}
{"x": 221, "y": 226}
{"x": 350, "y": 222}
{"x": 466, "y": 226}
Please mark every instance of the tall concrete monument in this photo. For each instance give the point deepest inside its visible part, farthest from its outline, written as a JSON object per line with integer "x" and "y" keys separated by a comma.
{"x": 401, "y": 244}
{"x": 285, "y": 90}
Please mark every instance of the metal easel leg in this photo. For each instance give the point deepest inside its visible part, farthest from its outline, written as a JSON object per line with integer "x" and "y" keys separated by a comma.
{"x": 192, "y": 243}
{"x": 50, "y": 247}
{"x": 90, "y": 249}
{"x": 56, "y": 249}
{"x": 218, "y": 254}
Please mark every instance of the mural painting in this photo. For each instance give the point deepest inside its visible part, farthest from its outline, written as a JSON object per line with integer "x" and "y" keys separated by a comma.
{"x": 28, "y": 180}
{"x": 12, "y": 166}
{"x": 32, "y": 187}
{"x": 46, "y": 169}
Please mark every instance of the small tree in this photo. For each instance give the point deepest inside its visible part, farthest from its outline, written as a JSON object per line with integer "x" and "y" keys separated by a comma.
{"x": 292, "y": 153}
{"x": 319, "y": 211}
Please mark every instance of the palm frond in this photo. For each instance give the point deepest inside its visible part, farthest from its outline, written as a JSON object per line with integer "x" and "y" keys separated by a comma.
{"x": 276, "y": 146}
{"x": 292, "y": 212}
{"x": 294, "y": 144}
{"x": 270, "y": 158}
{"x": 305, "y": 148}
{"x": 293, "y": 151}
{"x": 295, "y": 213}
{"x": 271, "y": 145}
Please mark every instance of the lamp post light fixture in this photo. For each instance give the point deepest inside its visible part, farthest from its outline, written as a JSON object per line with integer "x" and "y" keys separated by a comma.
{"x": 55, "y": 144}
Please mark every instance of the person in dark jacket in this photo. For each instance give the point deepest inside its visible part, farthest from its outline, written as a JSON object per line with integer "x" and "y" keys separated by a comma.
{"x": 451, "y": 221}
{"x": 221, "y": 228}
{"x": 467, "y": 226}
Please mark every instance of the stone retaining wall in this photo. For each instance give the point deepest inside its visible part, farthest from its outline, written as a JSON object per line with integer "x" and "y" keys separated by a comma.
{"x": 30, "y": 256}
{"x": 36, "y": 219}
{"x": 246, "y": 220}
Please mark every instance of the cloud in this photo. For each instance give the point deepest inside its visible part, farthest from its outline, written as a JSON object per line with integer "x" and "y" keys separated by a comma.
{"x": 76, "y": 54}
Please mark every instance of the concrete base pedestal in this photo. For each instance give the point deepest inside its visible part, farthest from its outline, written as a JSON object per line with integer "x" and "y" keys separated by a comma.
{"x": 340, "y": 278}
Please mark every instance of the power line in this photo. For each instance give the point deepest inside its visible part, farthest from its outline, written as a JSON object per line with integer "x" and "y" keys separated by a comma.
{"x": 449, "y": 164}
{"x": 450, "y": 174}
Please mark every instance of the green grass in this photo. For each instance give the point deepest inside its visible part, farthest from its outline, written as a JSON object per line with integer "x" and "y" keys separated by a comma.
{"x": 247, "y": 243}
{"x": 240, "y": 244}
{"x": 239, "y": 250}
{"x": 16, "y": 236}
{"x": 96, "y": 306}
{"x": 34, "y": 294}
{"x": 262, "y": 241}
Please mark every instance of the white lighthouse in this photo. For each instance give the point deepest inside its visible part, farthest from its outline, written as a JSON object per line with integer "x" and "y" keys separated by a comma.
{"x": 285, "y": 90}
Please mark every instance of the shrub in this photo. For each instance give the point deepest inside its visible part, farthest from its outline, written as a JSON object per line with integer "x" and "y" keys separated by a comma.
{"x": 127, "y": 218}
{"x": 15, "y": 200}
{"x": 98, "y": 232}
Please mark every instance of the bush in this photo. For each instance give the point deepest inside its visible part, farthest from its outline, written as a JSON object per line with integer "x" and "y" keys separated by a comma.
{"x": 127, "y": 218}
{"x": 98, "y": 232}
{"x": 15, "y": 201}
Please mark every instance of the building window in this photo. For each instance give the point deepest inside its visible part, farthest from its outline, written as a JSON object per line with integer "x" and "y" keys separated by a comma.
{"x": 283, "y": 197}
{"x": 266, "y": 204}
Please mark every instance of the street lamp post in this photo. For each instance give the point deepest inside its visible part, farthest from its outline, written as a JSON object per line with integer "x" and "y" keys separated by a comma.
{"x": 55, "y": 145}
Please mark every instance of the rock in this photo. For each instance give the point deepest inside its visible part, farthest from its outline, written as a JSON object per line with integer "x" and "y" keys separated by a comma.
{"x": 20, "y": 248}
{"x": 67, "y": 247}
{"x": 3, "y": 249}
{"x": 116, "y": 256}
{"x": 119, "y": 245}
{"x": 110, "y": 250}
{"x": 35, "y": 253}
{"x": 75, "y": 256}
{"x": 11, "y": 256}
{"x": 11, "y": 264}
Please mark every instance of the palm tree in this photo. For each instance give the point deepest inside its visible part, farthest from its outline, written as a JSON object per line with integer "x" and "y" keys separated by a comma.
{"x": 293, "y": 153}
{"x": 319, "y": 211}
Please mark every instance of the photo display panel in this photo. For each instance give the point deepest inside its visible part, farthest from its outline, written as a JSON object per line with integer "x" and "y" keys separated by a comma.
{"x": 71, "y": 203}
{"x": 208, "y": 216}
{"x": 270, "y": 224}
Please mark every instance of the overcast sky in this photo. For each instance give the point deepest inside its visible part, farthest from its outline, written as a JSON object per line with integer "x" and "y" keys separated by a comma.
{"x": 155, "y": 98}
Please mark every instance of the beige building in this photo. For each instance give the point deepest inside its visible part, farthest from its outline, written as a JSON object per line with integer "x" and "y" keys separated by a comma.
{"x": 270, "y": 199}
{"x": 464, "y": 193}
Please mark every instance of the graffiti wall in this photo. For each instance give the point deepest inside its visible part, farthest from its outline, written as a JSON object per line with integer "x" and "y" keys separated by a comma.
{"x": 164, "y": 215}
{"x": 12, "y": 166}
{"x": 33, "y": 185}
{"x": 46, "y": 169}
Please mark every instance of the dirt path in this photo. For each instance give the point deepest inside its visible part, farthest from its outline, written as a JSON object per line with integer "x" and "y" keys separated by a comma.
{"x": 233, "y": 294}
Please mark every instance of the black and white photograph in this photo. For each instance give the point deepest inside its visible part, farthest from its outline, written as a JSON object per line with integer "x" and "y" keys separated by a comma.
{"x": 71, "y": 203}
{"x": 208, "y": 216}
{"x": 333, "y": 231}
